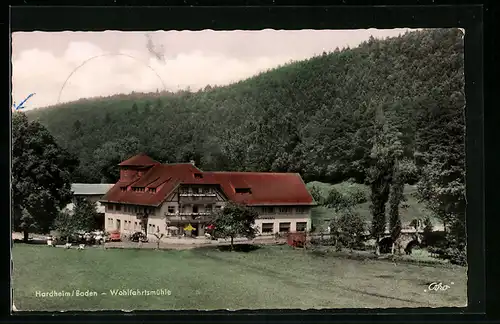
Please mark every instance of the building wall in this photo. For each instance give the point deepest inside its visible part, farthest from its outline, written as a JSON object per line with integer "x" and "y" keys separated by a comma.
{"x": 129, "y": 223}
{"x": 293, "y": 215}
{"x": 91, "y": 198}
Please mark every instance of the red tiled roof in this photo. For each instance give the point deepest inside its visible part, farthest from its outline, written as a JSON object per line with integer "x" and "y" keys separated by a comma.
{"x": 266, "y": 188}
{"x": 139, "y": 160}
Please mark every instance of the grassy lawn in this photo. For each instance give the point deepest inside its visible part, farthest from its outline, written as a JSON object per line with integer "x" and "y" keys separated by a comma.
{"x": 205, "y": 278}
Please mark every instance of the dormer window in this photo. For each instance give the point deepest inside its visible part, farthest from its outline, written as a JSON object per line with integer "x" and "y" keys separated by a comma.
{"x": 152, "y": 190}
{"x": 198, "y": 176}
{"x": 123, "y": 188}
{"x": 243, "y": 190}
{"x": 138, "y": 189}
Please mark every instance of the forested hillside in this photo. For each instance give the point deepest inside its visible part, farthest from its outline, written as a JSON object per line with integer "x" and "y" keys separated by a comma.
{"x": 314, "y": 117}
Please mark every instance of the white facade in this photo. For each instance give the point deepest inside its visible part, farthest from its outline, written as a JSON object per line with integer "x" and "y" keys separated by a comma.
{"x": 293, "y": 218}
{"x": 195, "y": 210}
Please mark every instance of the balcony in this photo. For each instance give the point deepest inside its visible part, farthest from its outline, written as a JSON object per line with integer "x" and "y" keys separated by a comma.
{"x": 187, "y": 194}
{"x": 198, "y": 198}
{"x": 188, "y": 216}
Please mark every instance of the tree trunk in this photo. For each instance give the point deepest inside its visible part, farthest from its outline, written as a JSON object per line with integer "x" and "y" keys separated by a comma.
{"x": 232, "y": 247}
{"x": 377, "y": 246}
{"x": 26, "y": 236}
{"x": 393, "y": 247}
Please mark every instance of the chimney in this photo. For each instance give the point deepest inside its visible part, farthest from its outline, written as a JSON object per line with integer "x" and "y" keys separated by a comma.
{"x": 192, "y": 162}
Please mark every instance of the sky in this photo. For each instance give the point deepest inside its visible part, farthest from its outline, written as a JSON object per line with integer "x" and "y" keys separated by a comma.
{"x": 66, "y": 66}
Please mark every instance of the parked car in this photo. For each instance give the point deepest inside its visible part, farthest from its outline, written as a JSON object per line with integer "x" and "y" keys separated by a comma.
{"x": 115, "y": 236}
{"x": 138, "y": 237}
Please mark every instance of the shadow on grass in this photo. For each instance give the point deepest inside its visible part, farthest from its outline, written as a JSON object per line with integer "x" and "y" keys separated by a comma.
{"x": 238, "y": 248}
{"x": 367, "y": 255}
{"x": 31, "y": 242}
{"x": 227, "y": 248}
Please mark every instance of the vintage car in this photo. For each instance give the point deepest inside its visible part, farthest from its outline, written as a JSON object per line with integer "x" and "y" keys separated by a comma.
{"x": 138, "y": 237}
{"x": 114, "y": 236}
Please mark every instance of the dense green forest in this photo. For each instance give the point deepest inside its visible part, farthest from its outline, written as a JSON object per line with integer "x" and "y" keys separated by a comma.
{"x": 314, "y": 117}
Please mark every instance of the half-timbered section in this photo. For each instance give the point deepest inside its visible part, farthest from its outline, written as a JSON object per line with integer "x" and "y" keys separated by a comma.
{"x": 168, "y": 198}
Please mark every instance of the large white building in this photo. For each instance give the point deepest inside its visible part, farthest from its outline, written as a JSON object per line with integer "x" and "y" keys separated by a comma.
{"x": 178, "y": 195}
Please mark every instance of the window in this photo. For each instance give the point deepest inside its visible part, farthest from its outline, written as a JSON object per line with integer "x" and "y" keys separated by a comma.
{"x": 118, "y": 207}
{"x": 243, "y": 190}
{"x": 268, "y": 210}
{"x": 301, "y": 226}
{"x": 171, "y": 209}
{"x": 208, "y": 208}
{"x": 195, "y": 209}
{"x": 123, "y": 188}
{"x": 198, "y": 175}
{"x": 135, "y": 225}
{"x": 300, "y": 210}
{"x": 111, "y": 207}
{"x": 284, "y": 227}
{"x": 152, "y": 190}
{"x": 267, "y": 227}
{"x": 217, "y": 207}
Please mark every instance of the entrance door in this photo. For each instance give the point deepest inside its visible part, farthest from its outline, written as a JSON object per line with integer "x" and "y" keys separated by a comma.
{"x": 118, "y": 224}
{"x": 99, "y": 222}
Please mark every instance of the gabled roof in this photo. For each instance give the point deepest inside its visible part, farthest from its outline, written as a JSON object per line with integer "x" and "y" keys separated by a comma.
{"x": 90, "y": 188}
{"x": 139, "y": 160}
{"x": 266, "y": 188}
{"x": 163, "y": 177}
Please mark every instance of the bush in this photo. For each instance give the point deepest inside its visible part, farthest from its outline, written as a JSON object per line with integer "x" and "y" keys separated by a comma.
{"x": 454, "y": 255}
{"x": 348, "y": 230}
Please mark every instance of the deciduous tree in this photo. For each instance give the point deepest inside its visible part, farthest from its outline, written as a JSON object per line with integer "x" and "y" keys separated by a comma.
{"x": 41, "y": 174}
{"x": 235, "y": 220}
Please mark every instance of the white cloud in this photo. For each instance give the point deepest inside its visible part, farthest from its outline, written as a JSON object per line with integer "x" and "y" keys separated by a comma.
{"x": 45, "y": 74}
{"x": 41, "y": 71}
